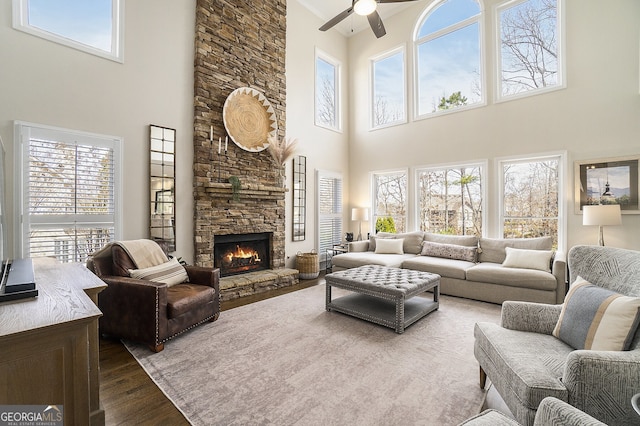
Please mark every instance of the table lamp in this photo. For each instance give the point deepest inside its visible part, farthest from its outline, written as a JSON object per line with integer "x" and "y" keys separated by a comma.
{"x": 601, "y": 215}
{"x": 360, "y": 214}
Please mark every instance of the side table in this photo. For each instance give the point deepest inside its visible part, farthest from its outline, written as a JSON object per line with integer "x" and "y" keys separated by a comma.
{"x": 336, "y": 249}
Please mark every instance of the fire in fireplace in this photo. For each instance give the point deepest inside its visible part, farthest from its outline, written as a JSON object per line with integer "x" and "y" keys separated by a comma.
{"x": 241, "y": 253}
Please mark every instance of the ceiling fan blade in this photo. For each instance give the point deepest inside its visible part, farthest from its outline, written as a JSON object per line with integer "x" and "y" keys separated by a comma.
{"x": 376, "y": 24}
{"x": 395, "y": 1}
{"x": 337, "y": 19}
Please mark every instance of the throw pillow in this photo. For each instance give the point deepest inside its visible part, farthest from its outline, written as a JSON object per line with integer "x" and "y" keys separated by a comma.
{"x": 389, "y": 246}
{"x": 597, "y": 318}
{"x": 449, "y": 251}
{"x": 528, "y": 259}
{"x": 170, "y": 273}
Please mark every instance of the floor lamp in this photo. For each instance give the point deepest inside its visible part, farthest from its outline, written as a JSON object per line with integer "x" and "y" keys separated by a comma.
{"x": 601, "y": 215}
{"x": 360, "y": 214}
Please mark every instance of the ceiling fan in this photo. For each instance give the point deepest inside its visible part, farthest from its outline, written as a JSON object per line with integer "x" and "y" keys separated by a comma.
{"x": 364, "y": 8}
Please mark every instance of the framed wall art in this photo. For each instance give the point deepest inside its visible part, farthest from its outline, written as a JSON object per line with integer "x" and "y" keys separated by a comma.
{"x": 608, "y": 181}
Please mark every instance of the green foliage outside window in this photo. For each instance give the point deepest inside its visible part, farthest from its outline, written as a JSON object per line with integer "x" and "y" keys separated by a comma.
{"x": 385, "y": 224}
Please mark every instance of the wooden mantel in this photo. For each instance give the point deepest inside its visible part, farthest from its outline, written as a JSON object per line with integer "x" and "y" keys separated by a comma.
{"x": 253, "y": 191}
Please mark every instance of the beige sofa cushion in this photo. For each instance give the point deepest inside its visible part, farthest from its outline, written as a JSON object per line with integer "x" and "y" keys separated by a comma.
{"x": 412, "y": 240}
{"x": 461, "y": 240}
{"x": 450, "y": 268}
{"x": 355, "y": 259}
{"x": 493, "y": 249}
{"x": 496, "y": 273}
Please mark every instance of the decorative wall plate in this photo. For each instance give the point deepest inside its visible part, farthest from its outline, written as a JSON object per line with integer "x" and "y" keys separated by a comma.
{"x": 249, "y": 119}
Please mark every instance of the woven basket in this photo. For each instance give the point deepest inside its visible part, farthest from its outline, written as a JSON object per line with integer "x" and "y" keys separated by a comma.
{"x": 308, "y": 264}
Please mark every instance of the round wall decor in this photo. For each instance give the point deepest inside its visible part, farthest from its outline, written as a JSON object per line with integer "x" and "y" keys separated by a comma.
{"x": 249, "y": 119}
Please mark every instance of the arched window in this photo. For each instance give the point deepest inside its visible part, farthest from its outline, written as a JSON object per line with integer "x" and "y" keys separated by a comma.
{"x": 448, "y": 57}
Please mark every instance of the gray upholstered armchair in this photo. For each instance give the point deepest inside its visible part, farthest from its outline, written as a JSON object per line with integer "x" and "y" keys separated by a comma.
{"x": 526, "y": 363}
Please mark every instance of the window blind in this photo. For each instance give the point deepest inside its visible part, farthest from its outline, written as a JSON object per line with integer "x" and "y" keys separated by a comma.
{"x": 329, "y": 211}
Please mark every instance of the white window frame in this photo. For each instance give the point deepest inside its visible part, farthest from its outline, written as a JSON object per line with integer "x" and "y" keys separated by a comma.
{"x": 480, "y": 18}
{"x": 561, "y": 156}
{"x": 21, "y": 22}
{"x": 372, "y": 180}
{"x": 320, "y": 174}
{"x": 372, "y": 92}
{"x": 319, "y": 54}
{"x": 560, "y": 33}
{"x": 23, "y": 131}
{"x": 484, "y": 168}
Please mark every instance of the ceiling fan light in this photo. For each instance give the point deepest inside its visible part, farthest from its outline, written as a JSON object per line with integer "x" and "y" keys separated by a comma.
{"x": 365, "y": 7}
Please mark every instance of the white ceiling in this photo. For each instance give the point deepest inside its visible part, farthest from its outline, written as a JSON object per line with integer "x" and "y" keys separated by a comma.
{"x": 327, "y": 9}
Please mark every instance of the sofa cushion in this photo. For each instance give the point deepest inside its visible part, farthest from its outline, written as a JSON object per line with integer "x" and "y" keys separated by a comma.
{"x": 184, "y": 298}
{"x": 493, "y": 249}
{"x": 528, "y": 259}
{"x": 515, "y": 277}
{"x": 355, "y": 259}
{"x": 170, "y": 273}
{"x": 461, "y": 240}
{"x": 449, "y": 251}
{"x": 389, "y": 246}
{"x": 412, "y": 240}
{"x": 597, "y": 318}
{"x": 450, "y": 268}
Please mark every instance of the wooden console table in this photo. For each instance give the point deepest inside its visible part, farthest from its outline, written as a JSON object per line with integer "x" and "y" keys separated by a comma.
{"x": 49, "y": 344}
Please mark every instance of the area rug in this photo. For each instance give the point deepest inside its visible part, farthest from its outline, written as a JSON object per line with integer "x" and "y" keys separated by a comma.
{"x": 286, "y": 361}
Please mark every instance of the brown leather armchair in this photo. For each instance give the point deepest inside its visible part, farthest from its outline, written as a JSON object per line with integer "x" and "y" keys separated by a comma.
{"x": 150, "y": 312}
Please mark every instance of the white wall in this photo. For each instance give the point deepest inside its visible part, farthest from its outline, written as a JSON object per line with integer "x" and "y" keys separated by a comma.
{"x": 325, "y": 149}
{"x": 46, "y": 83}
{"x": 596, "y": 116}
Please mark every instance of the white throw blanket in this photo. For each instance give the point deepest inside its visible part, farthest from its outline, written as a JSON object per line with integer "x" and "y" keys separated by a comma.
{"x": 144, "y": 253}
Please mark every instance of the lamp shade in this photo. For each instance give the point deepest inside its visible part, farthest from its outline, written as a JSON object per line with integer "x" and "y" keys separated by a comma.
{"x": 605, "y": 214}
{"x": 360, "y": 213}
{"x": 365, "y": 7}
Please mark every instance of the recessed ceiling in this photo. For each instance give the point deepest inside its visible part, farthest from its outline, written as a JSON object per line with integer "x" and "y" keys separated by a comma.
{"x": 327, "y": 9}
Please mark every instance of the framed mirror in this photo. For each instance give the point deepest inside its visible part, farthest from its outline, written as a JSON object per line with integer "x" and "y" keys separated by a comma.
{"x": 299, "y": 197}
{"x": 162, "y": 184}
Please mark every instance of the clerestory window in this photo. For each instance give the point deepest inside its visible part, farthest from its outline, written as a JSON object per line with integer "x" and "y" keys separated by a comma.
{"x": 448, "y": 57}
{"x": 327, "y": 92}
{"x": 94, "y": 26}
{"x": 388, "y": 89}
{"x": 529, "y": 55}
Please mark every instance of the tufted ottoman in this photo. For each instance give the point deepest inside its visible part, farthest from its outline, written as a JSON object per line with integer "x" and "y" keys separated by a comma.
{"x": 382, "y": 295}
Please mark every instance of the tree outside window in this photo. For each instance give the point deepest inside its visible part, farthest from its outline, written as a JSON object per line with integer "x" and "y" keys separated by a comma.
{"x": 327, "y": 93}
{"x": 390, "y": 199}
{"x": 450, "y": 200}
{"x": 529, "y": 46}
{"x": 388, "y": 89}
{"x": 530, "y": 200}
{"x": 448, "y": 57}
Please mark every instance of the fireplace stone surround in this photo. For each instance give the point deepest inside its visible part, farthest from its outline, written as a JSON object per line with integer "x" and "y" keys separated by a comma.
{"x": 238, "y": 43}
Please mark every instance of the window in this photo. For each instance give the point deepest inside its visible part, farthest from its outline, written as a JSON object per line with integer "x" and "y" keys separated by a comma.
{"x": 69, "y": 192}
{"x": 327, "y": 91}
{"x": 388, "y": 89}
{"x": 329, "y": 210}
{"x": 530, "y": 195}
{"x": 390, "y": 200}
{"x": 450, "y": 199}
{"x": 448, "y": 57}
{"x": 94, "y": 26}
{"x": 529, "y": 51}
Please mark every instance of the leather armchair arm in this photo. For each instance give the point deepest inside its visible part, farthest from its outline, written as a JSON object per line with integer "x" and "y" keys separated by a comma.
{"x": 134, "y": 309}
{"x": 602, "y": 383}
{"x": 528, "y": 316}
{"x": 204, "y": 276}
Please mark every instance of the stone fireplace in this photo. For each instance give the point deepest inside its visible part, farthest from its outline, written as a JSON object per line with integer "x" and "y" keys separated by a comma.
{"x": 238, "y": 43}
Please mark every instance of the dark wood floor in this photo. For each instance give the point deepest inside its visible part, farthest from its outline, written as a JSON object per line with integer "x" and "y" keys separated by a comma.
{"x": 130, "y": 397}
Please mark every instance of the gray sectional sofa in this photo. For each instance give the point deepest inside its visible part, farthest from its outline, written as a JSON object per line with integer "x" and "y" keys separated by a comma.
{"x": 487, "y": 269}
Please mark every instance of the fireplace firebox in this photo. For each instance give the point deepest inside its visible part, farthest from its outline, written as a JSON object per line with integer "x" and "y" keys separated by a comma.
{"x": 241, "y": 253}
